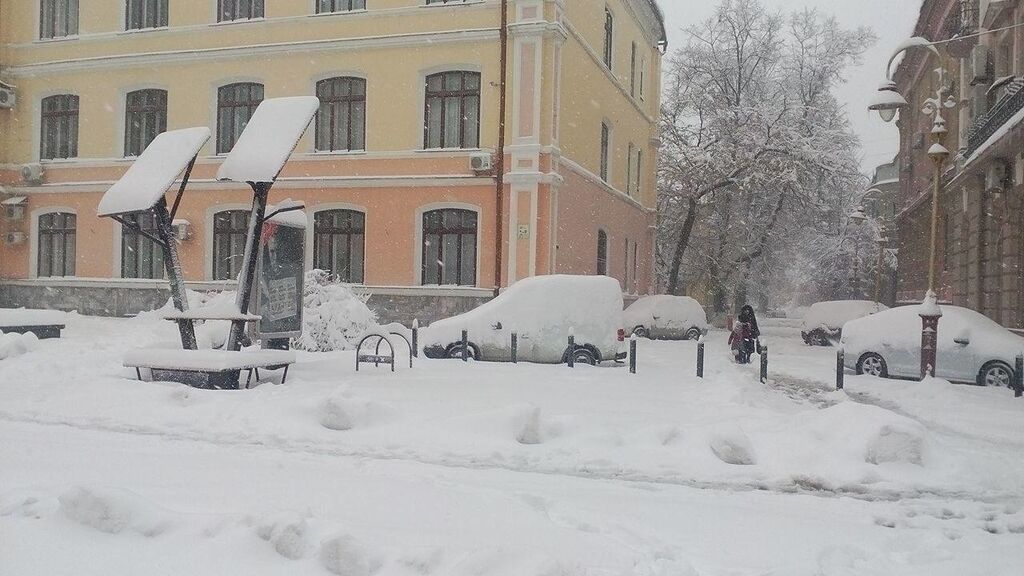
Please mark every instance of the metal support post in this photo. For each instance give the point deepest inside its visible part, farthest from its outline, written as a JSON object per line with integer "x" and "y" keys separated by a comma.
{"x": 415, "y": 338}
{"x": 172, "y": 264}
{"x": 700, "y": 358}
{"x": 632, "y": 354}
{"x": 515, "y": 348}
{"x": 572, "y": 349}
{"x": 764, "y": 363}
{"x": 840, "y": 368}
{"x": 465, "y": 345}
{"x": 261, "y": 191}
{"x": 1018, "y": 377}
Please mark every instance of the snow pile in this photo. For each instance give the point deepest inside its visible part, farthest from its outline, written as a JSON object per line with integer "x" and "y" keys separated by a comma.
{"x": 31, "y": 317}
{"x": 893, "y": 444}
{"x": 344, "y": 556}
{"x": 334, "y": 317}
{"x": 209, "y": 333}
{"x": 13, "y": 344}
{"x": 831, "y": 316}
{"x": 287, "y": 533}
{"x": 112, "y": 510}
{"x": 341, "y": 411}
{"x": 732, "y": 446}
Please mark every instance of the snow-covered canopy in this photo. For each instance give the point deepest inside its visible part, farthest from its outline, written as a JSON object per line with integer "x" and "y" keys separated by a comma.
{"x": 293, "y": 218}
{"x": 268, "y": 139}
{"x": 153, "y": 172}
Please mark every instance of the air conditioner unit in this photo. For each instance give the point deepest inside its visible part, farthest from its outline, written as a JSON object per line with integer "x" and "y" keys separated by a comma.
{"x": 996, "y": 177}
{"x": 32, "y": 174}
{"x": 182, "y": 229}
{"x": 8, "y": 98}
{"x": 980, "y": 65}
{"x": 481, "y": 162}
{"x": 14, "y": 238}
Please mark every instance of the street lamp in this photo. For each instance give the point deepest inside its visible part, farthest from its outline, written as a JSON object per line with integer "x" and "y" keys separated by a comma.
{"x": 887, "y": 102}
{"x": 882, "y": 241}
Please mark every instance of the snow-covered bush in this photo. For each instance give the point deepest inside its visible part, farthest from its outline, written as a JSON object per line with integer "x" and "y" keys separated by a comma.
{"x": 334, "y": 317}
{"x": 13, "y": 344}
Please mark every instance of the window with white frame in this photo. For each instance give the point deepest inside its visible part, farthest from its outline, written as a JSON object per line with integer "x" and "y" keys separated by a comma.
{"x": 56, "y": 244}
{"x": 609, "y": 33}
{"x": 142, "y": 14}
{"x": 145, "y": 116}
{"x": 341, "y": 119}
{"x": 452, "y": 110}
{"x": 339, "y": 240}
{"x": 331, "y": 6}
{"x": 629, "y": 169}
{"x": 141, "y": 257}
{"x": 59, "y": 127}
{"x": 449, "y": 247}
{"x": 228, "y": 10}
{"x": 58, "y": 18}
{"x": 606, "y": 139}
{"x": 632, "y": 70}
{"x": 236, "y": 104}
{"x": 230, "y": 229}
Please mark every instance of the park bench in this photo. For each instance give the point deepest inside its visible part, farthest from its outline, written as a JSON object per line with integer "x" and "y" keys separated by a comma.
{"x": 42, "y": 323}
{"x": 218, "y": 369}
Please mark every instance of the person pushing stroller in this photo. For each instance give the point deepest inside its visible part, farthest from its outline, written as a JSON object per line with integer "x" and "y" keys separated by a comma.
{"x": 743, "y": 339}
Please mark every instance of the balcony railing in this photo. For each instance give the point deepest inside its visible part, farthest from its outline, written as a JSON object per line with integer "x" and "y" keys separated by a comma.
{"x": 997, "y": 117}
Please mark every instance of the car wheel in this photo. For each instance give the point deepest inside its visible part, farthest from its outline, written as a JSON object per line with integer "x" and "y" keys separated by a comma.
{"x": 455, "y": 351}
{"x": 641, "y": 332}
{"x": 873, "y": 365}
{"x": 693, "y": 334}
{"x": 996, "y": 374}
{"x": 582, "y": 355}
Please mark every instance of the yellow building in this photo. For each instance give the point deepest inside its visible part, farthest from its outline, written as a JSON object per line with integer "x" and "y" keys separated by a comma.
{"x": 396, "y": 172}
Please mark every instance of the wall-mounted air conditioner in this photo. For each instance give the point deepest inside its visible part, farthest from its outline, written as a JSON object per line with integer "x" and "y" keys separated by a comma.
{"x": 32, "y": 174}
{"x": 14, "y": 208}
{"x": 14, "y": 238}
{"x": 8, "y": 97}
{"x": 481, "y": 162}
{"x": 182, "y": 229}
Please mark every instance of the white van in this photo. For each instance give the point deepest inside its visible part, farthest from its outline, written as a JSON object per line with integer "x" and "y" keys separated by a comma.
{"x": 542, "y": 310}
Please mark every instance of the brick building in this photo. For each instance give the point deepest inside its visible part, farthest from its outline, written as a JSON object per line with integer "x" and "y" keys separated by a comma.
{"x": 980, "y": 245}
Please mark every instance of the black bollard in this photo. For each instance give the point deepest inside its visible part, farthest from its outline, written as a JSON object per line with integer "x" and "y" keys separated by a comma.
{"x": 572, "y": 349}
{"x": 632, "y": 354}
{"x": 840, "y": 368}
{"x": 700, "y": 358}
{"x": 465, "y": 346}
{"x": 764, "y": 363}
{"x": 515, "y": 348}
{"x": 415, "y": 338}
{"x": 1018, "y": 377}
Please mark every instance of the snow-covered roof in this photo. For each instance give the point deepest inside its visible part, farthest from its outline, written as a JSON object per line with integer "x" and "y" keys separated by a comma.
{"x": 15, "y": 201}
{"x": 268, "y": 139}
{"x": 153, "y": 172}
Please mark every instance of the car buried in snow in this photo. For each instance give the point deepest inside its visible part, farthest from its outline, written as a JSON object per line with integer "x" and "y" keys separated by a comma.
{"x": 823, "y": 323}
{"x": 542, "y": 311}
{"x": 665, "y": 317}
{"x": 971, "y": 347}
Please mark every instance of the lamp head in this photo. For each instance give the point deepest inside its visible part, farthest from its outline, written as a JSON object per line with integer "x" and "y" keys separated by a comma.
{"x": 858, "y": 216}
{"x": 888, "y": 101}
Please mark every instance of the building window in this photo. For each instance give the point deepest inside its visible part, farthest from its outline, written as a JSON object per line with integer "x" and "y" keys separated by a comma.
{"x": 140, "y": 256}
{"x": 452, "y": 117}
{"x": 602, "y": 253}
{"x": 632, "y": 70}
{"x": 339, "y": 244}
{"x": 643, "y": 74}
{"x": 609, "y": 31}
{"x": 140, "y": 14}
{"x": 230, "y": 228}
{"x": 58, "y": 18}
{"x": 639, "y": 174}
{"x": 629, "y": 169}
{"x": 145, "y": 117}
{"x": 636, "y": 267}
{"x": 56, "y": 244}
{"x": 606, "y": 137}
{"x": 341, "y": 120}
{"x": 59, "y": 127}
{"x": 228, "y": 10}
{"x": 449, "y": 247}
{"x": 429, "y": 2}
{"x": 235, "y": 106}
{"x": 329, "y": 6}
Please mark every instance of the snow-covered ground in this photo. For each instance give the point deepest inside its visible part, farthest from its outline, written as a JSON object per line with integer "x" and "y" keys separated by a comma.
{"x": 478, "y": 468}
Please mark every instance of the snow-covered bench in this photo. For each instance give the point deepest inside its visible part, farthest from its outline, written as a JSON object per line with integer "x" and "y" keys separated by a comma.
{"x": 212, "y": 368}
{"x": 42, "y": 323}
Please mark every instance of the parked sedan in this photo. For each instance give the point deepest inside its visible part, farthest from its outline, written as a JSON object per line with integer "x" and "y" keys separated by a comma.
{"x": 666, "y": 317}
{"x": 971, "y": 347}
{"x": 823, "y": 323}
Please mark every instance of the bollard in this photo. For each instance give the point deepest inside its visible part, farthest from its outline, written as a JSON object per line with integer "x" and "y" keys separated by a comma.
{"x": 840, "y": 368}
{"x": 632, "y": 354}
{"x": 415, "y": 338}
{"x": 1018, "y": 377}
{"x": 700, "y": 357}
{"x": 515, "y": 348}
{"x": 572, "y": 349}
{"x": 764, "y": 363}
{"x": 465, "y": 346}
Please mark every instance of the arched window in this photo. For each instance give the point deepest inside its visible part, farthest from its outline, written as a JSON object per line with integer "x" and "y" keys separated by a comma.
{"x": 452, "y": 117}
{"x": 140, "y": 256}
{"x": 339, "y": 238}
{"x": 449, "y": 247}
{"x": 235, "y": 106}
{"x": 59, "y": 127}
{"x": 56, "y": 246}
{"x": 341, "y": 120}
{"x": 145, "y": 116}
{"x": 58, "y": 18}
{"x": 141, "y": 14}
{"x": 230, "y": 228}
{"x": 609, "y": 33}
{"x": 602, "y": 253}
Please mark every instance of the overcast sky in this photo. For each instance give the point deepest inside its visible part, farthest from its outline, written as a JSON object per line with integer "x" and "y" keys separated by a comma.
{"x": 892, "y": 20}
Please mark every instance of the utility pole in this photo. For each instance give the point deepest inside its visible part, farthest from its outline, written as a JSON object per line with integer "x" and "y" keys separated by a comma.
{"x": 500, "y": 161}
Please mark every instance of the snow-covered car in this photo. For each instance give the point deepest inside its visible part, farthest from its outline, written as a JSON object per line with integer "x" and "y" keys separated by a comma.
{"x": 666, "y": 317}
{"x": 823, "y": 323}
{"x": 971, "y": 347}
{"x": 542, "y": 310}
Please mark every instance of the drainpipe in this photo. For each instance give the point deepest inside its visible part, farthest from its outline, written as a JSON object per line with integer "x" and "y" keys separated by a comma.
{"x": 500, "y": 164}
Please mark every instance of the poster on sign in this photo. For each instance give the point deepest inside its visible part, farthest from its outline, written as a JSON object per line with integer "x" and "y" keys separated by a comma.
{"x": 280, "y": 273}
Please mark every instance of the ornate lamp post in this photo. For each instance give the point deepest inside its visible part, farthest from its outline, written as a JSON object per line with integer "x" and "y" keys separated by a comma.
{"x": 882, "y": 241}
{"x": 886, "y": 103}
{"x": 857, "y": 218}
